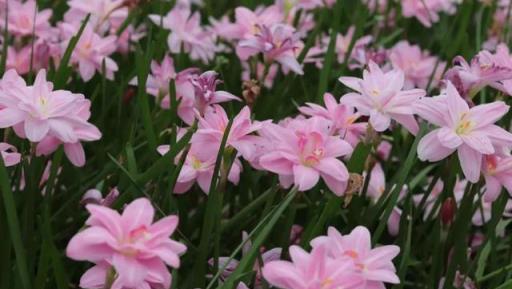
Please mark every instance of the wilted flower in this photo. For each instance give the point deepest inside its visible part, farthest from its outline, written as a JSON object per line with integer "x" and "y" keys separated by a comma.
{"x": 9, "y": 154}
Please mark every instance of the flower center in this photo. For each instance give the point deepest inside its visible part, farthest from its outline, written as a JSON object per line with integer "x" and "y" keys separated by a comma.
{"x": 464, "y": 127}
{"x": 352, "y": 254}
{"x": 196, "y": 163}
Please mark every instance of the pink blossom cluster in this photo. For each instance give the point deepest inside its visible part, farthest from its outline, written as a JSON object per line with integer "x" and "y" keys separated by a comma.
{"x": 427, "y": 11}
{"x": 336, "y": 260}
{"x": 45, "y": 116}
{"x": 47, "y": 42}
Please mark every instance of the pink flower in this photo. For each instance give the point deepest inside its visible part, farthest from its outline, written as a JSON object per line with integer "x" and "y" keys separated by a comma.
{"x": 485, "y": 69}
{"x": 199, "y": 167}
{"x": 249, "y": 22}
{"x": 9, "y": 154}
{"x": 303, "y": 152}
{"x": 206, "y": 93}
{"x": 470, "y": 132}
{"x": 19, "y": 60}
{"x": 315, "y": 270}
{"x": 105, "y": 14}
{"x": 131, "y": 244}
{"x": 342, "y": 116}
{"x": 187, "y": 34}
{"x": 427, "y": 11}
{"x": 277, "y": 43}
{"x": 373, "y": 266}
{"x": 380, "y": 96}
{"x": 21, "y": 22}
{"x": 91, "y": 51}
{"x": 50, "y": 117}
{"x": 418, "y": 66}
{"x": 158, "y": 83}
{"x": 211, "y": 130}
{"x": 343, "y": 44}
{"x": 497, "y": 171}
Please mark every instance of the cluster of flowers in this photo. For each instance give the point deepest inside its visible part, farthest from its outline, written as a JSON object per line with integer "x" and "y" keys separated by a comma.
{"x": 130, "y": 251}
{"x": 36, "y": 43}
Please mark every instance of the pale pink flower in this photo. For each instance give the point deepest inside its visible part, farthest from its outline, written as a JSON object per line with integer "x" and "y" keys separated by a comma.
{"x": 417, "y": 65}
{"x": 342, "y": 117}
{"x": 373, "y": 266}
{"x": 125, "y": 41}
{"x": 105, "y": 14}
{"x": 9, "y": 154}
{"x": 497, "y": 172}
{"x": 427, "y": 11}
{"x": 187, "y": 34}
{"x": 91, "y": 52}
{"x": 158, "y": 82}
{"x": 19, "y": 60}
{"x": 380, "y": 96}
{"x": 241, "y": 135}
{"x": 49, "y": 117}
{"x": 206, "y": 93}
{"x": 470, "y": 132}
{"x": 135, "y": 247}
{"x": 23, "y": 19}
{"x": 303, "y": 152}
{"x": 343, "y": 44}
{"x": 249, "y": 22}
{"x": 315, "y": 270}
{"x": 199, "y": 167}
{"x": 485, "y": 69}
{"x": 277, "y": 43}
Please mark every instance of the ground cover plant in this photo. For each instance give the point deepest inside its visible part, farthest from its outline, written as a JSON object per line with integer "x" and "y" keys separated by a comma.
{"x": 293, "y": 144}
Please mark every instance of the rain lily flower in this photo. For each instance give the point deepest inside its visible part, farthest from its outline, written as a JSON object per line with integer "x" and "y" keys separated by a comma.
{"x": 303, "y": 152}
{"x": 206, "y": 93}
{"x": 105, "y": 14}
{"x": 380, "y": 96}
{"x": 418, "y": 66}
{"x": 158, "y": 83}
{"x": 315, "y": 270}
{"x": 373, "y": 266}
{"x": 470, "y": 132}
{"x": 130, "y": 244}
{"x": 211, "y": 131}
{"x": 249, "y": 22}
{"x": 277, "y": 43}
{"x": 343, "y": 44}
{"x": 9, "y": 154}
{"x": 187, "y": 34}
{"x": 91, "y": 52}
{"x": 23, "y": 19}
{"x": 342, "y": 116}
{"x": 485, "y": 69}
{"x": 43, "y": 115}
{"x": 497, "y": 172}
{"x": 427, "y": 11}
{"x": 199, "y": 167}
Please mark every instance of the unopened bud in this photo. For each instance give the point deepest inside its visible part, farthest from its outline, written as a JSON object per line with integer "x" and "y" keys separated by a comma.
{"x": 448, "y": 210}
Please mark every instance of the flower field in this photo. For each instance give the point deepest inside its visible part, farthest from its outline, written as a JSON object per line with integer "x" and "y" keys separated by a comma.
{"x": 255, "y": 144}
